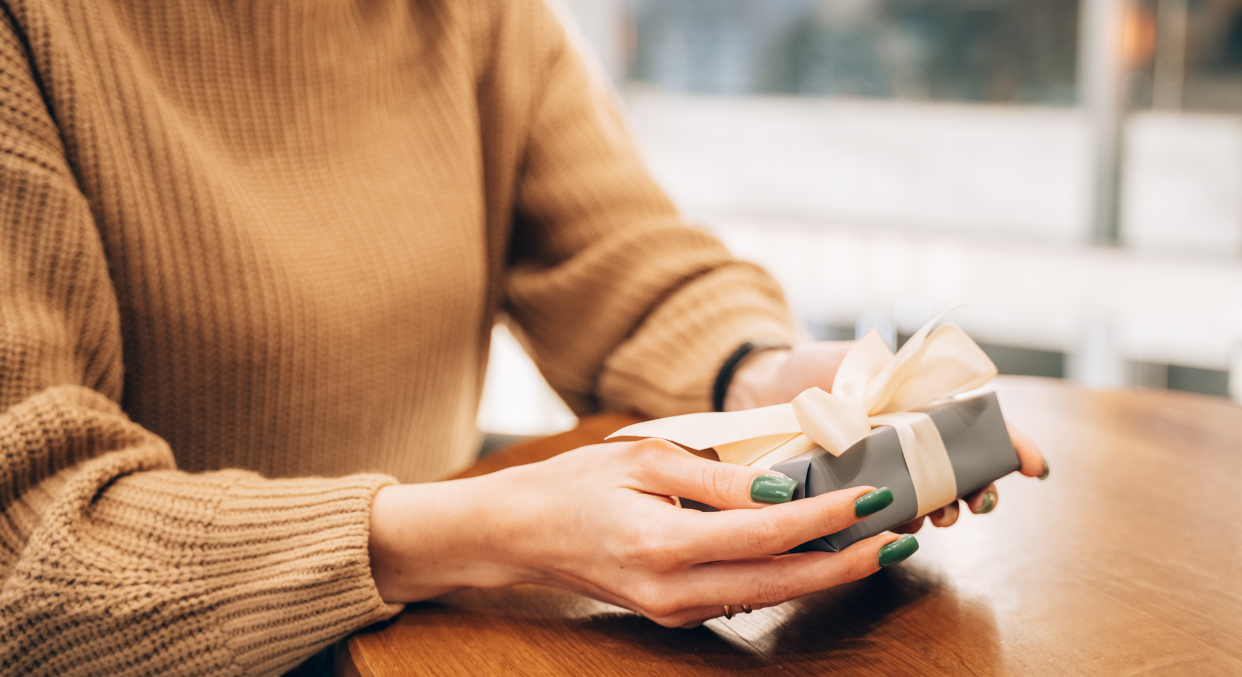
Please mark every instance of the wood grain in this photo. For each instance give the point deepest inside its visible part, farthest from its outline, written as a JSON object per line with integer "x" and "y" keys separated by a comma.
{"x": 1125, "y": 562}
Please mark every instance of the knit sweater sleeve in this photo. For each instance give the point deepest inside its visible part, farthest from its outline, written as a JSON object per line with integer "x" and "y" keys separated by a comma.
{"x": 622, "y": 304}
{"x": 111, "y": 560}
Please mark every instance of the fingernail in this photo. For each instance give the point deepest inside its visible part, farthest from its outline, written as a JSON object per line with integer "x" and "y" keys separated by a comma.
{"x": 871, "y": 503}
{"x": 772, "y": 489}
{"x": 1046, "y": 471}
{"x": 899, "y": 550}
{"x": 989, "y": 502}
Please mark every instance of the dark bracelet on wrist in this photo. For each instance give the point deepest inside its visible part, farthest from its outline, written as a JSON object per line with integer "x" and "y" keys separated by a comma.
{"x": 725, "y": 376}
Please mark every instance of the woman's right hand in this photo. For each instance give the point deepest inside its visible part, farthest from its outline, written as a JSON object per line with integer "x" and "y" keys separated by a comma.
{"x": 598, "y": 521}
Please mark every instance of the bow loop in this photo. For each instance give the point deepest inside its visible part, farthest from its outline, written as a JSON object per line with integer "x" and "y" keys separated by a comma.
{"x": 830, "y": 421}
{"x": 947, "y": 363}
{"x": 866, "y": 360}
{"x": 930, "y": 366}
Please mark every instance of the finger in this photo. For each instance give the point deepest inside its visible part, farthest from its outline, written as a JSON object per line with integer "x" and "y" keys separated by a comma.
{"x": 946, "y": 516}
{"x": 664, "y": 468}
{"x": 983, "y": 502}
{"x": 738, "y": 534}
{"x": 911, "y": 527}
{"x": 1033, "y": 462}
{"x": 772, "y": 580}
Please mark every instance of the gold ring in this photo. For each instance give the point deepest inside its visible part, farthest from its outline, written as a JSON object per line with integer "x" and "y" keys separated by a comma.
{"x": 728, "y": 612}
{"x": 746, "y": 608}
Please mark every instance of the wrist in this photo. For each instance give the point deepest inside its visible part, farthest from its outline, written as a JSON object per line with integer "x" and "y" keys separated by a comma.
{"x": 428, "y": 539}
{"x": 393, "y": 531}
{"x": 753, "y": 378}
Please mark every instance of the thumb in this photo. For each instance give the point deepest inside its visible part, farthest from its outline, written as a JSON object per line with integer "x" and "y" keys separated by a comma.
{"x": 666, "y": 469}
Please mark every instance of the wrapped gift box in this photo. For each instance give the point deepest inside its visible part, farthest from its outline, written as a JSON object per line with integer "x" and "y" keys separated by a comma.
{"x": 954, "y": 444}
{"x": 974, "y": 434}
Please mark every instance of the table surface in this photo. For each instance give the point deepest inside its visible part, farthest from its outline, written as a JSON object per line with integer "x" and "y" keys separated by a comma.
{"x": 1124, "y": 562}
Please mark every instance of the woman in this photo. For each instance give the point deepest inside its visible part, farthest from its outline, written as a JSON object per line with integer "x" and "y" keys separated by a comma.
{"x": 252, "y": 249}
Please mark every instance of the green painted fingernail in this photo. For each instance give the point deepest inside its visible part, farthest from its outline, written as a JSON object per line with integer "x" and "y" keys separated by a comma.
{"x": 1046, "y": 471}
{"x": 871, "y": 503}
{"x": 899, "y": 550}
{"x": 989, "y": 502}
{"x": 772, "y": 489}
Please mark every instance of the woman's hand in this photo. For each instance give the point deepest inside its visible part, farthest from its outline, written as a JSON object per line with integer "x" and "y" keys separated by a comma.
{"x": 778, "y": 376}
{"x": 598, "y": 521}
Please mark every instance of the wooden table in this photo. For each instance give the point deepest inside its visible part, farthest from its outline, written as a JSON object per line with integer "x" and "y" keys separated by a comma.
{"x": 1125, "y": 562}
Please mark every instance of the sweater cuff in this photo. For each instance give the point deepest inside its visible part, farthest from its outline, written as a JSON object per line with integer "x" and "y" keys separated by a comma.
{"x": 280, "y": 568}
{"x": 299, "y": 573}
{"x": 669, "y": 365}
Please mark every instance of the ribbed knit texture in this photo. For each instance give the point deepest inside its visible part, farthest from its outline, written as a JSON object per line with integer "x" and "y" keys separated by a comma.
{"x": 243, "y": 241}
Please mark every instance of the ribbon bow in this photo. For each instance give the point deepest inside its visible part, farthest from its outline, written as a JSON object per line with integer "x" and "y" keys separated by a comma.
{"x": 873, "y": 387}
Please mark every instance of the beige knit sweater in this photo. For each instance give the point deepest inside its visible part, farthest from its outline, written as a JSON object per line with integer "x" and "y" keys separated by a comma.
{"x": 246, "y": 240}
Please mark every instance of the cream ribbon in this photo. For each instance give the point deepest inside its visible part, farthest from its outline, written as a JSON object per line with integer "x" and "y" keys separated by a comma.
{"x": 873, "y": 387}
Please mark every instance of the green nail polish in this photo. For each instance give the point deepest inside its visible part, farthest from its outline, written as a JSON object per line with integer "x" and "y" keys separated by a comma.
{"x": 772, "y": 489}
{"x": 989, "y": 502}
{"x": 1046, "y": 471}
{"x": 899, "y": 550}
{"x": 871, "y": 503}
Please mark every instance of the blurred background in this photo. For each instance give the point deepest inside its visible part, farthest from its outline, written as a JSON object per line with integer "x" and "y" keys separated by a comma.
{"x": 1071, "y": 169}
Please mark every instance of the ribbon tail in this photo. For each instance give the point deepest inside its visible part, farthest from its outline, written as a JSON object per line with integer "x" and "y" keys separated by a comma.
{"x": 795, "y": 447}
{"x": 702, "y": 431}
{"x": 745, "y": 452}
{"x": 931, "y": 471}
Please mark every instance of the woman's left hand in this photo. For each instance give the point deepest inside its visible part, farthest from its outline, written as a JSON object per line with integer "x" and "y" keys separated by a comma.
{"x": 778, "y": 376}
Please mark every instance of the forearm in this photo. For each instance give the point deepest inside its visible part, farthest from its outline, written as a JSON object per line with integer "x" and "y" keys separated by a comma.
{"x": 622, "y": 304}
{"x": 104, "y": 529}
